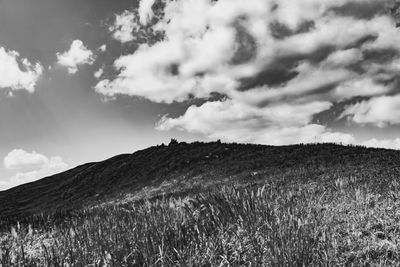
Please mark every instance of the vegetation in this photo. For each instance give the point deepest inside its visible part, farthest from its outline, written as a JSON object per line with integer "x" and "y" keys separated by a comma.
{"x": 321, "y": 214}
{"x": 182, "y": 165}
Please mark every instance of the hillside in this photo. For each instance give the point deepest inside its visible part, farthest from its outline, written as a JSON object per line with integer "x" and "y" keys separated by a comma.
{"x": 181, "y": 168}
{"x": 211, "y": 204}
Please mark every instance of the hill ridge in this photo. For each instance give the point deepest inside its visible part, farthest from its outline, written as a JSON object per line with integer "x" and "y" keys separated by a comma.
{"x": 179, "y": 166}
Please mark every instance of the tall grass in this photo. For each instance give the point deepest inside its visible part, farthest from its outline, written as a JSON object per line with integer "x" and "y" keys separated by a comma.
{"x": 314, "y": 224}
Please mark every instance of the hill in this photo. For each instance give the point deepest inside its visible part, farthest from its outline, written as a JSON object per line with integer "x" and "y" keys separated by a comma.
{"x": 181, "y": 168}
{"x": 211, "y": 204}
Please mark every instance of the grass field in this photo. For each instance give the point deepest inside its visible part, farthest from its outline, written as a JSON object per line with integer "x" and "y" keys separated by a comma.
{"x": 337, "y": 220}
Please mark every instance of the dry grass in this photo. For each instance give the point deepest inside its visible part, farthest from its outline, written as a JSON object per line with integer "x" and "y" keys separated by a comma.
{"x": 338, "y": 222}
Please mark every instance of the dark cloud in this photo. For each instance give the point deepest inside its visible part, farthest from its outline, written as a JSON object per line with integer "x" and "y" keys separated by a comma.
{"x": 247, "y": 46}
{"x": 276, "y": 75}
{"x": 383, "y": 55}
{"x": 331, "y": 117}
{"x": 360, "y": 9}
{"x": 281, "y": 31}
{"x": 282, "y": 70}
{"x": 363, "y": 40}
{"x": 314, "y": 94}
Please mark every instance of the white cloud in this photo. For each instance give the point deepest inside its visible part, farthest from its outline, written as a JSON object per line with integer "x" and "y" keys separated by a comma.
{"x": 170, "y": 70}
{"x": 345, "y": 57}
{"x": 203, "y": 38}
{"x": 124, "y": 26}
{"x": 145, "y": 11}
{"x": 380, "y": 111}
{"x": 98, "y": 73}
{"x": 319, "y": 52}
{"x": 385, "y": 143}
{"x": 360, "y": 87}
{"x": 337, "y": 32}
{"x": 102, "y": 48}
{"x": 278, "y": 124}
{"x": 388, "y": 36}
{"x": 18, "y": 159}
{"x": 18, "y": 73}
{"x": 78, "y": 54}
{"x": 30, "y": 166}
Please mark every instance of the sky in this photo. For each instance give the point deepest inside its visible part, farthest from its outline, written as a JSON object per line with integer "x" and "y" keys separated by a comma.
{"x": 81, "y": 81}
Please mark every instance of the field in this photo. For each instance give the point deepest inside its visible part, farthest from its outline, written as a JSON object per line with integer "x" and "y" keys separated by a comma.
{"x": 320, "y": 215}
{"x": 343, "y": 221}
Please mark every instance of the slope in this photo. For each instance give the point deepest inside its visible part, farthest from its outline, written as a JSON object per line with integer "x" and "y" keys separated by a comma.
{"x": 193, "y": 165}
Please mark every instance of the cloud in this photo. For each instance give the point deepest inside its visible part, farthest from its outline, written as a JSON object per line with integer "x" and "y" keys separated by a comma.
{"x": 277, "y": 124}
{"x": 124, "y": 26}
{"x": 345, "y": 57}
{"x": 98, "y": 73}
{"x": 275, "y": 64}
{"x": 78, "y": 54}
{"x": 18, "y": 159}
{"x": 102, "y": 48}
{"x": 145, "y": 11}
{"x": 30, "y": 166}
{"x": 385, "y": 143}
{"x": 203, "y": 38}
{"x": 380, "y": 111}
{"x": 360, "y": 87}
{"x": 18, "y": 73}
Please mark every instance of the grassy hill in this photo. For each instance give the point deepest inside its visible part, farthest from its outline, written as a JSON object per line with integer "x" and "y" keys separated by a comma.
{"x": 181, "y": 167}
{"x": 211, "y": 204}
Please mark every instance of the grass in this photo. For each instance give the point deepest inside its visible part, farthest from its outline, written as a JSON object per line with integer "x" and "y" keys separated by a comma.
{"x": 182, "y": 164}
{"x": 339, "y": 220}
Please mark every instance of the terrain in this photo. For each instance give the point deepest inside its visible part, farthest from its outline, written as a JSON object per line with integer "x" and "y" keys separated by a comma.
{"x": 211, "y": 204}
{"x": 180, "y": 167}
